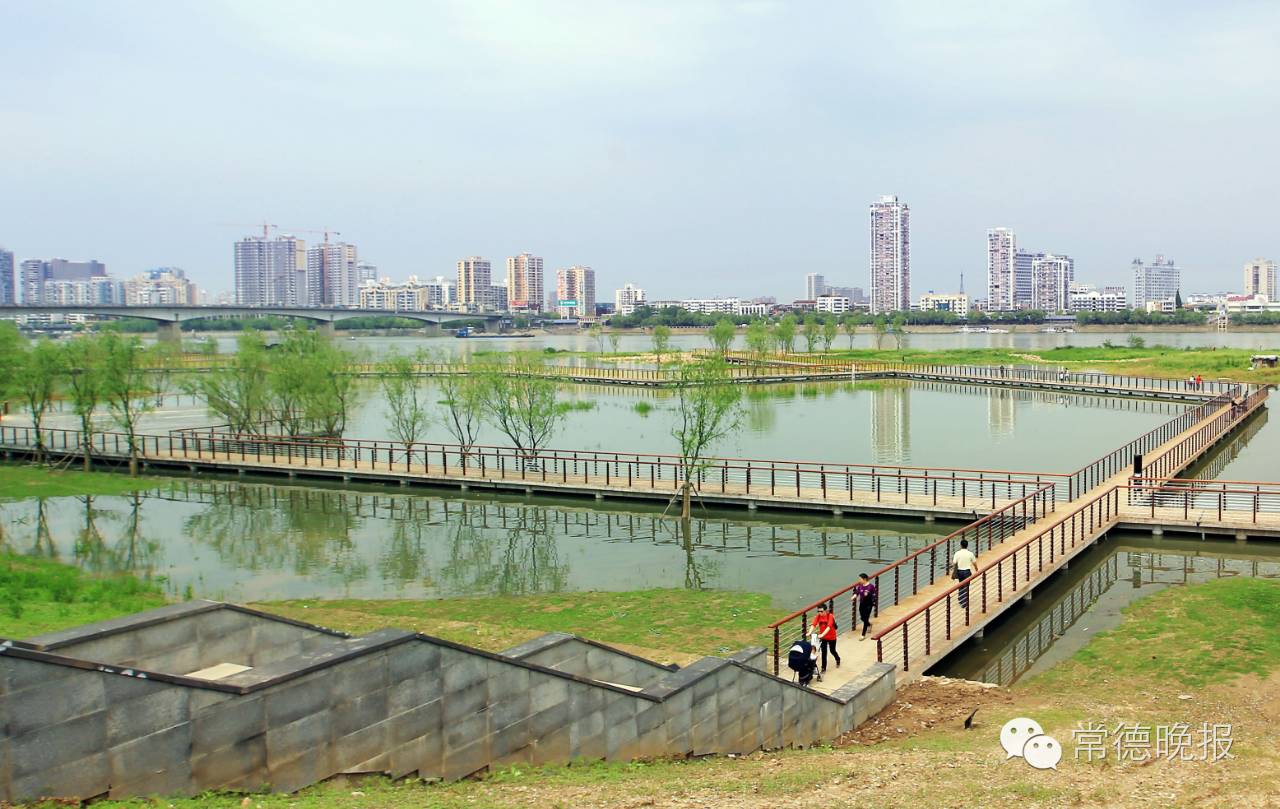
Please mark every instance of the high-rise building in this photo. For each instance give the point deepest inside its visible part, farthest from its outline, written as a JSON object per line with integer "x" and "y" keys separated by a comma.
{"x": 332, "y": 277}
{"x": 1155, "y": 282}
{"x": 1052, "y": 276}
{"x": 498, "y": 295}
{"x": 1259, "y": 277}
{"x": 163, "y": 286}
{"x": 271, "y": 272}
{"x": 576, "y": 292}
{"x": 626, "y": 300}
{"x": 365, "y": 272}
{"x": 8, "y": 281}
{"x": 475, "y": 277}
{"x": 36, "y": 273}
{"x": 1002, "y": 251}
{"x": 524, "y": 283}
{"x": 95, "y": 291}
{"x": 890, "y": 255}
{"x": 814, "y": 285}
{"x": 1024, "y": 278}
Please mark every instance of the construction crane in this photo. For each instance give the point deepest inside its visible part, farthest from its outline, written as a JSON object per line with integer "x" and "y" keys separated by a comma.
{"x": 264, "y": 224}
{"x": 325, "y": 231}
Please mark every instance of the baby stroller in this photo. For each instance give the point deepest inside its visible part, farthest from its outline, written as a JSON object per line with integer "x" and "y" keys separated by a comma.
{"x": 800, "y": 660}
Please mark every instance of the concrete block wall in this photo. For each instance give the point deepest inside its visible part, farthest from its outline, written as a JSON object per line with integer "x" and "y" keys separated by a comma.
{"x": 586, "y": 658}
{"x": 390, "y": 702}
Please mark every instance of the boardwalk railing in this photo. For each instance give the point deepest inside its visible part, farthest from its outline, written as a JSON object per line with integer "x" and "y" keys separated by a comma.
{"x": 1198, "y": 500}
{"x": 922, "y": 568}
{"x": 932, "y": 625}
{"x": 831, "y": 483}
{"x": 1241, "y": 405}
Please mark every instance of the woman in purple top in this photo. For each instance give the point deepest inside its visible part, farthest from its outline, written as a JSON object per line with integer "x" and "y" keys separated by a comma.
{"x": 865, "y": 594}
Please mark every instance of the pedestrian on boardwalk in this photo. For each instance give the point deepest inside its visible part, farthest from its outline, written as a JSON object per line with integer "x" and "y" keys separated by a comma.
{"x": 1199, "y": 382}
{"x": 865, "y": 596}
{"x": 963, "y": 565}
{"x": 824, "y": 624}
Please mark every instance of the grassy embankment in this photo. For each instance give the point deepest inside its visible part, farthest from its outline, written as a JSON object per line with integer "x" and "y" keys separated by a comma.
{"x": 29, "y": 480}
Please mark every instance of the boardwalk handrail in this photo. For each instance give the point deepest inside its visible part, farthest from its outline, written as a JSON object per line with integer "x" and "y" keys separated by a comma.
{"x": 999, "y": 525}
{"x": 1195, "y": 498}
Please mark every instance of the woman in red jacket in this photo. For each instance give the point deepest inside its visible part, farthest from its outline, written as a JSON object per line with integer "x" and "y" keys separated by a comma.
{"x": 824, "y": 623}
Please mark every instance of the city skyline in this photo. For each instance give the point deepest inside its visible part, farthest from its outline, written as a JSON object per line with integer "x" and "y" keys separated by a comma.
{"x": 684, "y": 155}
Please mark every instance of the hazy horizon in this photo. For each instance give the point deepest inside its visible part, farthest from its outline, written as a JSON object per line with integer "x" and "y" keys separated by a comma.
{"x": 694, "y": 148}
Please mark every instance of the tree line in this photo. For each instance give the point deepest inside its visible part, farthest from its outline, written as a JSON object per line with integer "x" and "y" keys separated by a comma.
{"x": 676, "y": 317}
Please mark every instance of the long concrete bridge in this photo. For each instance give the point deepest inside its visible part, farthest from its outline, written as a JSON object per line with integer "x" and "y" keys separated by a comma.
{"x": 170, "y": 318}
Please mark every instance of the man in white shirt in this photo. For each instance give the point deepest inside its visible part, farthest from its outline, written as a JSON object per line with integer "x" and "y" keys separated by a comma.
{"x": 963, "y": 565}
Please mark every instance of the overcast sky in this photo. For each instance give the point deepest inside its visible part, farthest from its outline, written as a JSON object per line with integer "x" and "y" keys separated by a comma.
{"x": 695, "y": 148}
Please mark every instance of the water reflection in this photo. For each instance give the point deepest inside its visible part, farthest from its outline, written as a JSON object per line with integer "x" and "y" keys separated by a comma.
{"x": 247, "y": 541}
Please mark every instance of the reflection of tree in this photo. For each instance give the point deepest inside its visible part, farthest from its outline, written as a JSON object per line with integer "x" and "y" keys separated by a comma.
{"x": 90, "y": 547}
{"x": 404, "y": 559}
{"x": 302, "y": 529}
{"x": 518, "y": 558}
{"x": 692, "y": 576}
{"x": 761, "y": 415}
{"x": 44, "y": 546}
{"x": 133, "y": 553}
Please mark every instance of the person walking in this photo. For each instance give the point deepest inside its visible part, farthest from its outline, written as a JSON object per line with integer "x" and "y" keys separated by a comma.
{"x": 824, "y": 624}
{"x": 963, "y": 565}
{"x": 865, "y": 596}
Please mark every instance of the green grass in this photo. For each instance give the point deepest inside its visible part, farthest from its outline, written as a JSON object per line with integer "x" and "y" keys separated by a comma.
{"x": 643, "y": 408}
{"x": 38, "y": 595}
{"x": 30, "y": 480}
{"x": 680, "y": 623}
{"x": 1190, "y": 637}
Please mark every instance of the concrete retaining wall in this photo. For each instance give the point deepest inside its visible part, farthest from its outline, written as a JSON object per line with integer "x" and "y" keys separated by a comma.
{"x": 392, "y": 702}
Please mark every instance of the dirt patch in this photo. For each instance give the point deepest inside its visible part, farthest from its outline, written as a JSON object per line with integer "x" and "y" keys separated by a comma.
{"x": 930, "y": 702}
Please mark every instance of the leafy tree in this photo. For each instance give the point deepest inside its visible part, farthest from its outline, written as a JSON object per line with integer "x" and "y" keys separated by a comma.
{"x": 596, "y": 332}
{"x": 12, "y": 344}
{"x": 312, "y": 387}
{"x": 614, "y": 339}
{"x": 850, "y": 325}
{"x": 784, "y": 333}
{"x": 708, "y": 408}
{"x": 1136, "y": 342}
{"x": 880, "y": 326}
{"x": 126, "y": 387}
{"x": 84, "y": 361}
{"x": 1177, "y": 299}
{"x": 35, "y": 377}
{"x": 757, "y": 337}
{"x": 406, "y": 399}
{"x": 721, "y": 335}
{"x": 463, "y": 404}
{"x": 661, "y": 342}
{"x": 829, "y": 331}
{"x": 522, "y": 403}
{"x": 899, "y": 331}
{"x": 239, "y": 392}
{"x": 812, "y": 332}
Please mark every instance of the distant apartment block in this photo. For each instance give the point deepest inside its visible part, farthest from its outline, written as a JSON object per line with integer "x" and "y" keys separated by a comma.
{"x": 957, "y": 303}
{"x": 332, "y": 275}
{"x": 475, "y": 283}
{"x": 8, "y": 280}
{"x": 626, "y": 300}
{"x": 705, "y": 306}
{"x": 1052, "y": 276}
{"x": 1155, "y": 282}
{"x": 856, "y": 295}
{"x": 410, "y": 295}
{"x": 833, "y": 304}
{"x": 1259, "y": 278}
{"x": 1024, "y": 277}
{"x": 1002, "y": 252}
{"x": 890, "y": 230}
{"x": 36, "y": 274}
{"x": 576, "y": 292}
{"x": 365, "y": 272}
{"x": 814, "y": 285}
{"x": 163, "y": 286}
{"x": 524, "y": 283}
{"x": 498, "y": 297}
{"x": 1088, "y": 298}
{"x": 271, "y": 272}
{"x": 98, "y": 291}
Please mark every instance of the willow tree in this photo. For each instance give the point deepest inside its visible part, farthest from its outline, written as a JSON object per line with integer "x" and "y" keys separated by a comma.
{"x": 757, "y": 337}
{"x": 83, "y": 359}
{"x": 812, "y": 332}
{"x": 313, "y": 388}
{"x": 522, "y": 402}
{"x": 462, "y": 403}
{"x": 35, "y": 373}
{"x": 784, "y": 333}
{"x": 899, "y": 331}
{"x": 239, "y": 392}
{"x": 830, "y": 329}
{"x": 708, "y": 408}
{"x": 661, "y": 342}
{"x": 406, "y": 399}
{"x": 850, "y": 325}
{"x": 721, "y": 335}
{"x": 880, "y": 327}
{"x": 126, "y": 386}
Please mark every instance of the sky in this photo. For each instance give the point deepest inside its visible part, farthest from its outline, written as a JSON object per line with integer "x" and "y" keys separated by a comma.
{"x": 694, "y": 148}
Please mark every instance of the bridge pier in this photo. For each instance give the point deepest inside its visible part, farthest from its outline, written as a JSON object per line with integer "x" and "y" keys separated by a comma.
{"x": 169, "y": 331}
{"x": 930, "y": 518}
{"x": 1157, "y": 531}
{"x": 325, "y": 327}
{"x": 1242, "y": 536}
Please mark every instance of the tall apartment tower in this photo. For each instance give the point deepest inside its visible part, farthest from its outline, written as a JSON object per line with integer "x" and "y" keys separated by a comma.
{"x": 1259, "y": 277}
{"x": 1154, "y": 282}
{"x": 8, "y": 281}
{"x": 576, "y": 292}
{"x": 36, "y": 274}
{"x": 1023, "y": 277}
{"x": 1002, "y": 250}
{"x": 814, "y": 285}
{"x": 333, "y": 277}
{"x": 271, "y": 272}
{"x": 626, "y": 300}
{"x": 1052, "y": 277}
{"x": 475, "y": 276}
{"x": 890, "y": 255}
{"x": 524, "y": 283}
